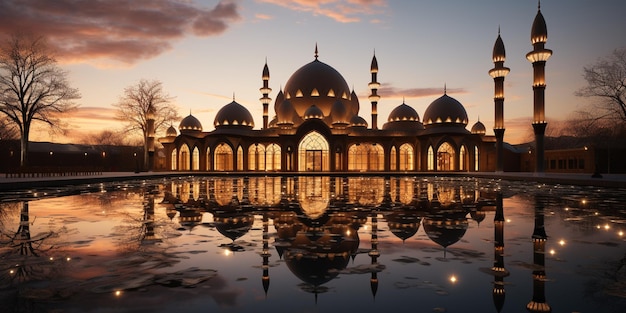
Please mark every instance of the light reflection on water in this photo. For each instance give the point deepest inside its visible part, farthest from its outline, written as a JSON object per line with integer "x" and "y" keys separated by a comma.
{"x": 306, "y": 244}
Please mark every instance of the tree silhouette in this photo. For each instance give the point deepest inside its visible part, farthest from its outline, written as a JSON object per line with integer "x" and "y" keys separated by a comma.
{"x": 32, "y": 87}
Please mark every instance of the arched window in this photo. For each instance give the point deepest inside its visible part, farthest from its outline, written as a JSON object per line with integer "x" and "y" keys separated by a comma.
{"x": 431, "y": 159}
{"x": 406, "y": 157}
{"x": 445, "y": 157}
{"x": 462, "y": 159}
{"x": 174, "y": 159}
{"x": 223, "y": 158}
{"x": 366, "y": 156}
{"x": 256, "y": 157}
{"x": 313, "y": 153}
{"x": 272, "y": 157}
{"x": 195, "y": 159}
{"x": 392, "y": 159}
{"x": 476, "y": 159}
{"x": 239, "y": 158}
{"x": 183, "y": 158}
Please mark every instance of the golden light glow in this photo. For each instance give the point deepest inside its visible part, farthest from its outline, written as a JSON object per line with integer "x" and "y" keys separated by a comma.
{"x": 620, "y": 233}
{"x": 562, "y": 242}
{"x": 453, "y": 279}
{"x": 552, "y": 252}
{"x": 118, "y": 293}
{"x": 227, "y": 252}
{"x": 607, "y": 226}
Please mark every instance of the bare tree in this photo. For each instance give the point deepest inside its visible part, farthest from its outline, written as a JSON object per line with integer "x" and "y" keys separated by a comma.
{"x": 105, "y": 137}
{"x": 606, "y": 79}
{"x": 32, "y": 87}
{"x": 139, "y": 101}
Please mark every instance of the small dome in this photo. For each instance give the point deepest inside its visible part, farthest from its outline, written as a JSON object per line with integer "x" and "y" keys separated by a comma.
{"x": 285, "y": 112}
{"x": 233, "y": 114}
{"x": 445, "y": 110}
{"x": 273, "y": 123}
{"x": 479, "y": 128}
{"x": 338, "y": 113}
{"x": 313, "y": 112}
{"x": 357, "y": 121}
{"x": 171, "y": 132}
{"x": 403, "y": 112}
{"x": 190, "y": 123}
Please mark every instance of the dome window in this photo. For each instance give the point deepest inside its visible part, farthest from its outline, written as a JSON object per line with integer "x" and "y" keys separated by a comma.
{"x": 344, "y": 95}
{"x": 315, "y": 93}
{"x": 438, "y": 120}
{"x": 287, "y": 96}
{"x": 299, "y": 94}
{"x": 331, "y": 93}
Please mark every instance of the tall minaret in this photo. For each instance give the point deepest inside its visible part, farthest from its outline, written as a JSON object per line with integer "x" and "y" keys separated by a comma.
{"x": 265, "y": 90}
{"x": 498, "y": 269}
{"x": 498, "y": 72}
{"x": 538, "y": 57}
{"x": 374, "y": 97}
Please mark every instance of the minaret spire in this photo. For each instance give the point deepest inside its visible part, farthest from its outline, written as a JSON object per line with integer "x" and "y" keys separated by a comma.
{"x": 265, "y": 91}
{"x": 316, "y": 52}
{"x": 498, "y": 72}
{"x": 374, "y": 97}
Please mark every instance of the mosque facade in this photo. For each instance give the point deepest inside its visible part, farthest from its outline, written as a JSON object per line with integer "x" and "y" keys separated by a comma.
{"x": 317, "y": 127}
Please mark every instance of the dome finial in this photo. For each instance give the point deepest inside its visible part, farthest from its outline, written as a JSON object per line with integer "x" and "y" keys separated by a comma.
{"x": 233, "y": 96}
{"x": 316, "y": 53}
{"x": 445, "y": 89}
{"x": 538, "y": 4}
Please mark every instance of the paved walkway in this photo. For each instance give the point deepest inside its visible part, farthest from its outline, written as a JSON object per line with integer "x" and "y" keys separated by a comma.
{"x": 607, "y": 180}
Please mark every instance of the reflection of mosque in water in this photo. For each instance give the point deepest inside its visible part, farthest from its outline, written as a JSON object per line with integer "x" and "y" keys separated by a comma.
{"x": 317, "y": 219}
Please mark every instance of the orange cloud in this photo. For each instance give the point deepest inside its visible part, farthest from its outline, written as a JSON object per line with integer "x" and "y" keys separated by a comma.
{"x": 343, "y": 11}
{"x": 122, "y": 30}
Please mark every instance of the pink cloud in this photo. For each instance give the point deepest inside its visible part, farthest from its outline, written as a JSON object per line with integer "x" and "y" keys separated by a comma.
{"x": 122, "y": 30}
{"x": 393, "y": 92}
{"x": 343, "y": 11}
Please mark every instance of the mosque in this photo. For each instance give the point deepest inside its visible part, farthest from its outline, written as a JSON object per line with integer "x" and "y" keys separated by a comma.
{"x": 317, "y": 127}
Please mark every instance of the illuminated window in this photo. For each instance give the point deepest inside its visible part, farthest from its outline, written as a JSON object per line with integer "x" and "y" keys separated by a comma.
{"x": 392, "y": 159}
{"x": 223, "y": 158}
{"x": 406, "y": 157}
{"x": 174, "y": 157}
{"x": 366, "y": 157}
{"x": 462, "y": 158}
{"x": 445, "y": 157}
{"x": 476, "y": 159}
{"x": 431, "y": 159}
{"x": 272, "y": 157}
{"x": 313, "y": 153}
{"x": 315, "y": 93}
{"x": 299, "y": 93}
{"x": 183, "y": 158}
{"x": 256, "y": 158}
{"x": 240, "y": 158}
{"x": 331, "y": 93}
{"x": 195, "y": 159}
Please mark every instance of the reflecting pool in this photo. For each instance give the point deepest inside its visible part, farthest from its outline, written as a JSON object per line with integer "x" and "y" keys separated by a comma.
{"x": 313, "y": 244}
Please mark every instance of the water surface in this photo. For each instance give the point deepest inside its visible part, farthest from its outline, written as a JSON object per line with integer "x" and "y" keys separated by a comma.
{"x": 313, "y": 244}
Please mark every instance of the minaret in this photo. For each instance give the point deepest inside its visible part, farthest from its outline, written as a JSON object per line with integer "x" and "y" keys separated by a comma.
{"x": 150, "y": 135}
{"x": 498, "y": 72}
{"x": 374, "y": 254}
{"x": 265, "y": 279}
{"x": 538, "y": 57}
{"x": 374, "y": 97}
{"x": 265, "y": 90}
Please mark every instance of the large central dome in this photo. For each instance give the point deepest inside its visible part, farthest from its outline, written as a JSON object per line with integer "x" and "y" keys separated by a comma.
{"x": 318, "y": 84}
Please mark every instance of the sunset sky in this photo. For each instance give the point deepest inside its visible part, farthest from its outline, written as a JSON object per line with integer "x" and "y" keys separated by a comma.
{"x": 205, "y": 51}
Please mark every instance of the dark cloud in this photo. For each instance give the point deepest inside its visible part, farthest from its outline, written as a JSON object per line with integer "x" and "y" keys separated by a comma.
{"x": 393, "y": 92}
{"x": 121, "y": 30}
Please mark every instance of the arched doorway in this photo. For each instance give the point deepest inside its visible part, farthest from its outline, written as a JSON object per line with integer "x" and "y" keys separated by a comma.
{"x": 445, "y": 157}
{"x": 313, "y": 153}
{"x": 223, "y": 158}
